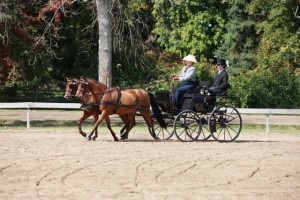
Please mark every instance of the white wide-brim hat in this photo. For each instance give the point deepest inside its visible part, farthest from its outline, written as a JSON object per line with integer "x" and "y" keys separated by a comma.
{"x": 190, "y": 58}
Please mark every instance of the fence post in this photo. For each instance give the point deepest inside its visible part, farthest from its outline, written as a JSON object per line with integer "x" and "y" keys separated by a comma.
{"x": 267, "y": 123}
{"x": 28, "y": 117}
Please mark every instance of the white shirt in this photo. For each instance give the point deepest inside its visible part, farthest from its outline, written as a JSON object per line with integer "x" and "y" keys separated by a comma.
{"x": 188, "y": 73}
{"x": 220, "y": 71}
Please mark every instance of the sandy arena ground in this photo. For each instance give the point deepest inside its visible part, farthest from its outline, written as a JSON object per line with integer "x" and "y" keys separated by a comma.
{"x": 62, "y": 165}
{"x": 56, "y": 164}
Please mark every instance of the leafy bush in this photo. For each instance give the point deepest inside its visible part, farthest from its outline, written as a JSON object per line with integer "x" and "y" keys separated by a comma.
{"x": 264, "y": 88}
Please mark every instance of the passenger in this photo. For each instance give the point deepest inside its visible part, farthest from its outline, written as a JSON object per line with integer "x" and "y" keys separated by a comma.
{"x": 220, "y": 84}
{"x": 187, "y": 77}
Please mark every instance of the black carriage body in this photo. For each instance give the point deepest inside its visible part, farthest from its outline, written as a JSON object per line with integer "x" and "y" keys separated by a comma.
{"x": 195, "y": 99}
{"x": 163, "y": 99}
{"x": 198, "y": 102}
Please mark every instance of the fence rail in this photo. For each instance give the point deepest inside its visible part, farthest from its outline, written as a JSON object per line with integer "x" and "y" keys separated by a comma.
{"x": 55, "y": 106}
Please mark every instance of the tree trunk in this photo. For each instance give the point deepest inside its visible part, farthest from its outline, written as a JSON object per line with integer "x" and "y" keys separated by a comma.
{"x": 105, "y": 41}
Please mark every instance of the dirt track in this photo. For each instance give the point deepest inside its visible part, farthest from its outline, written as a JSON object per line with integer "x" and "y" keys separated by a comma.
{"x": 62, "y": 165}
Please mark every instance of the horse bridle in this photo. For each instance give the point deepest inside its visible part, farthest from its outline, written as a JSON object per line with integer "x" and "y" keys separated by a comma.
{"x": 82, "y": 90}
{"x": 70, "y": 91}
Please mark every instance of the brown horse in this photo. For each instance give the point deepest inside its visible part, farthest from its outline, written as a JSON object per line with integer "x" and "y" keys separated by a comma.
{"x": 89, "y": 108}
{"x": 121, "y": 102}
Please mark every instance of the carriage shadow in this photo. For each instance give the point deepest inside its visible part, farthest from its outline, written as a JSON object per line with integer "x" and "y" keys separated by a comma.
{"x": 208, "y": 141}
{"x": 253, "y": 141}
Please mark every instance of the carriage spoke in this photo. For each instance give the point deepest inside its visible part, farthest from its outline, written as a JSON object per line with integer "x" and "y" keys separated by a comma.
{"x": 204, "y": 132}
{"x": 228, "y": 133}
{"x": 163, "y": 133}
{"x": 186, "y": 126}
{"x": 183, "y": 131}
{"x": 228, "y": 123}
{"x": 231, "y": 129}
{"x": 219, "y": 133}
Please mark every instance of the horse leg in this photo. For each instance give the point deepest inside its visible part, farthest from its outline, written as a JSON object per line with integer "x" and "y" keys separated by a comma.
{"x": 96, "y": 117}
{"x": 107, "y": 120}
{"x": 147, "y": 117}
{"x": 84, "y": 117}
{"x": 126, "y": 122}
{"x": 131, "y": 118}
{"x": 100, "y": 119}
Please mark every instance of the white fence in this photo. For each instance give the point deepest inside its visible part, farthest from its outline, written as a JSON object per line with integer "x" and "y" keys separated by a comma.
{"x": 33, "y": 105}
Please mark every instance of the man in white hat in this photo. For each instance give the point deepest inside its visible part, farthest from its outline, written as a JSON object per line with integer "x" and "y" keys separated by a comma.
{"x": 187, "y": 77}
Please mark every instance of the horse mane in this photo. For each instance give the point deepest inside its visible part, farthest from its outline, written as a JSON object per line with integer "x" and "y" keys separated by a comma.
{"x": 95, "y": 86}
{"x": 94, "y": 81}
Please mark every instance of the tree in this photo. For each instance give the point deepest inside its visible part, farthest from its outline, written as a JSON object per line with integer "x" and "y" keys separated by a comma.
{"x": 105, "y": 41}
{"x": 275, "y": 80}
{"x": 280, "y": 33}
{"x": 20, "y": 59}
{"x": 190, "y": 27}
{"x": 241, "y": 40}
{"x": 127, "y": 24}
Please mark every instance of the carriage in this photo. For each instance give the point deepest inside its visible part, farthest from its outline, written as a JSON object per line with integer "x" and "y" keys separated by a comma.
{"x": 202, "y": 116}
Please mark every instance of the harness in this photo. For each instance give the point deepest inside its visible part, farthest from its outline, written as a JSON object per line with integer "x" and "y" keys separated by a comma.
{"x": 117, "y": 103}
{"x": 86, "y": 105}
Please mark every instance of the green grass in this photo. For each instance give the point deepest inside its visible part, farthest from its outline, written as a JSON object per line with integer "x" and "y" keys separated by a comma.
{"x": 274, "y": 128}
{"x": 63, "y": 124}
{"x": 141, "y": 126}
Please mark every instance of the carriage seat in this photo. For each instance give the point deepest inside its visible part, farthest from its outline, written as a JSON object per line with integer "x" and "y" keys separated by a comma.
{"x": 196, "y": 95}
{"x": 223, "y": 94}
{"x": 199, "y": 99}
{"x": 199, "y": 89}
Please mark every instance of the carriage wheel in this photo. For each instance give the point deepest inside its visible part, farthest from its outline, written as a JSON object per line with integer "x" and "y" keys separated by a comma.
{"x": 204, "y": 133}
{"x": 187, "y": 126}
{"x": 163, "y": 133}
{"x": 225, "y": 123}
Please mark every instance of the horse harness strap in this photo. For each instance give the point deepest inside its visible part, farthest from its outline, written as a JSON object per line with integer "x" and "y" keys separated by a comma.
{"x": 117, "y": 103}
{"x": 87, "y": 104}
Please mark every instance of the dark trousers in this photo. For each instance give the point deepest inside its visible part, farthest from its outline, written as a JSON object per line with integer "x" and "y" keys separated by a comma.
{"x": 180, "y": 91}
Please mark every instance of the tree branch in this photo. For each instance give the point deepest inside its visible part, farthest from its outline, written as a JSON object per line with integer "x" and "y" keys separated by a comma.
{"x": 295, "y": 13}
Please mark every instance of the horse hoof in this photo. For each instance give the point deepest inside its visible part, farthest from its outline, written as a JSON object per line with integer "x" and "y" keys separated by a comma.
{"x": 83, "y": 134}
{"x": 116, "y": 139}
{"x": 88, "y": 139}
{"x": 124, "y": 138}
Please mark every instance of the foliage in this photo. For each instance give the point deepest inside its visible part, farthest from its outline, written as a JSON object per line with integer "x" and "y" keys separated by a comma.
{"x": 24, "y": 54}
{"x": 189, "y": 27}
{"x": 77, "y": 48}
{"x": 42, "y": 44}
{"x": 241, "y": 39}
{"x": 280, "y": 30}
{"x": 262, "y": 88}
{"x": 135, "y": 52}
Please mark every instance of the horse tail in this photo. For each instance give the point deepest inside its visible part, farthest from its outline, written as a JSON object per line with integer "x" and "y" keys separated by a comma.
{"x": 156, "y": 111}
